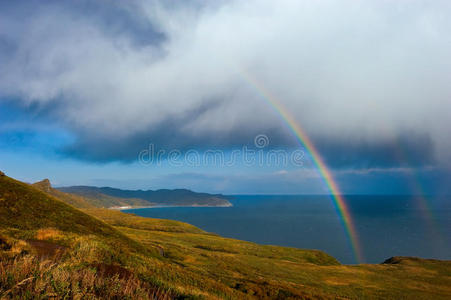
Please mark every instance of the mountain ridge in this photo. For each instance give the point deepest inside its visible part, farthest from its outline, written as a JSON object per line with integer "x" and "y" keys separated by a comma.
{"x": 115, "y": 197}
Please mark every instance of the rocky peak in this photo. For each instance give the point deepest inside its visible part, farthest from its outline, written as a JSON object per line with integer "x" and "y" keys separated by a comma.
{"x": 44, "y": 185}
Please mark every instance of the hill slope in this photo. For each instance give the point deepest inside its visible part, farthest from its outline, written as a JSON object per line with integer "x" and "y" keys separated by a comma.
{"x": 26, "y": 208}
{"x": 71, "y": 199}
{"x": 45, "y": 242}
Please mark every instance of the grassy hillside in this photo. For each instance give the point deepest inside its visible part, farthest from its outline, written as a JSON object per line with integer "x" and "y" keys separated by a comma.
{"x": 50, "y": 249}
{"x": 47, "y": 247}
{"x": 26, "y": 208}
{"x": 71, "y": 199}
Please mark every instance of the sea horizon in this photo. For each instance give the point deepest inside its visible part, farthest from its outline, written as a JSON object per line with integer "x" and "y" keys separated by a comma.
{"x": 386, "y": 225}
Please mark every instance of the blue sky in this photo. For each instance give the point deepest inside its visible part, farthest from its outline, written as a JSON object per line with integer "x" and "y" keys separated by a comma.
{"x": 86, "y": 86}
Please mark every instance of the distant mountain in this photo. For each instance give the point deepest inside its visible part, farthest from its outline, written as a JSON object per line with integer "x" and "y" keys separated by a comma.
{"x": 111, "y": 197}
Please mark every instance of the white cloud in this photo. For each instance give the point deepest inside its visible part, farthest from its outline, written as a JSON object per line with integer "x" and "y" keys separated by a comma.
{"x": 360, "y": 70}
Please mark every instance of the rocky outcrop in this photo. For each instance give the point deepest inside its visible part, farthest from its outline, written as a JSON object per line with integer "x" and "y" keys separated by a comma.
{"x": 44, "y": 185}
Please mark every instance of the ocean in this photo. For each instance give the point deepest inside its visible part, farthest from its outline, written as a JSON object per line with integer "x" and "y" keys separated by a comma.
{"x": 386, "y": 226}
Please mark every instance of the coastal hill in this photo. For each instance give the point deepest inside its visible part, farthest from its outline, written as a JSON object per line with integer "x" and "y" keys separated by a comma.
{"x": 111, "y": 197}
{"x": 106, "y": 197}
{"x": 50, "y": 249}
{"x": 72, "y": 199}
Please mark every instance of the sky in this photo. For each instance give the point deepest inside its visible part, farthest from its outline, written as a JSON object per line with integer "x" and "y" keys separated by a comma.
{"x": 92, "y": 91}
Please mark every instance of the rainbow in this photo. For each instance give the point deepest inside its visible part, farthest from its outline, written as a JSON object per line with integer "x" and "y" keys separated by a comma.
{"x": 418, "y": 190}
{"x": 293, "y": 125}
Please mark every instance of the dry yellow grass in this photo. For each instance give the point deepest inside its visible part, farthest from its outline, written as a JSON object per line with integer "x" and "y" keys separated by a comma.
{"x": 48, "y": 234}
{"x": 26, "y": 277}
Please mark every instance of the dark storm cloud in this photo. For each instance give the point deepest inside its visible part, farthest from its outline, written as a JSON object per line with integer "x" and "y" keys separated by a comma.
{"x": 410, "y": 149}
{"x": 169, "y": 136}
{"x": 115, "y": 18}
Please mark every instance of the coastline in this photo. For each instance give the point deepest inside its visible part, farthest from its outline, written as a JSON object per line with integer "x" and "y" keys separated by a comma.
{"x": 125, "y": 208}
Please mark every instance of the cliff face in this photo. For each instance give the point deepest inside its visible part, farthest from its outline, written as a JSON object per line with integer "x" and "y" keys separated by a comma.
{"x": 44, "y": 185}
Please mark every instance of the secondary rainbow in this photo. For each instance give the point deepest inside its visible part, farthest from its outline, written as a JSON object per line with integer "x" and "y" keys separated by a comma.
{"x": 293, "y": 125}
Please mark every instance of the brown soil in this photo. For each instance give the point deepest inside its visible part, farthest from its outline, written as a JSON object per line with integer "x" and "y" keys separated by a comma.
{"x": 112, "y": 270}
{"x": 45, "y": 249}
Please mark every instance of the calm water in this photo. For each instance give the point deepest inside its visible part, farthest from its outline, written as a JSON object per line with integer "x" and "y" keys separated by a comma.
{"x": 386, "y": 225}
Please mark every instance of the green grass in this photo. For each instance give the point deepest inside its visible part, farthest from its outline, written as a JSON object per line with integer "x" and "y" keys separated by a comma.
{"x": 51, "y": 249}
{"x": 71, "y": 199}
{"x": 268, "y": 270}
